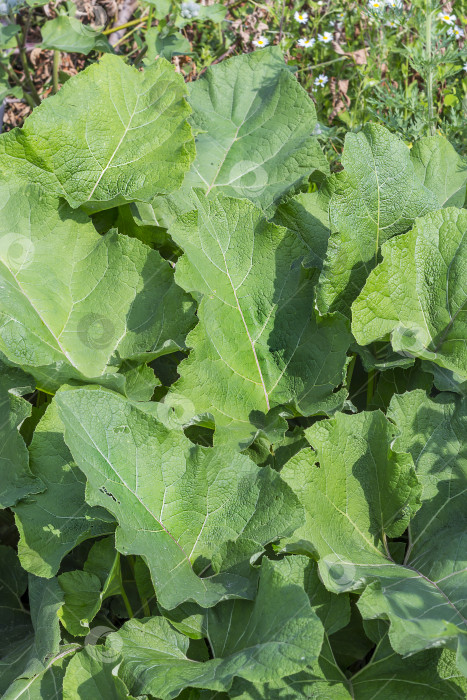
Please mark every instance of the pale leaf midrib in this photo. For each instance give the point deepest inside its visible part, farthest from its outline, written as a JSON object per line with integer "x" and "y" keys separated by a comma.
{"x": 123, "y": 482}
{"x": 250, "y": 339}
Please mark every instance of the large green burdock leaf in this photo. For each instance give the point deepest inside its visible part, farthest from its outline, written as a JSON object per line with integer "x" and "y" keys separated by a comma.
{"x": 430, "y": 675}
{"x": 84, "y": 591}
{"x": 253, "y": 124}
{"x": 274, "y": 636}
{"x": 333, "y": 610}
{"x": 70, "y": 34}
{"x": 322, "y": 678}
{"x": 15, "y": 619}
{"x": 44, "y": 684}
{"x": 369, "y": 494}
{"x": 358, "y": 491}
{"x": 189, "y": 511}
{"x": 307, "y": 215}
{"x": 417, "y": 296}
{"x": 433, "y": 431}
{"x": 441, "y": 170}
{"x": 82, "y": 600}
{"x": 74, "y": 304}
{"x": 445, "y": 379}
{"x": 377, "y": 196}
{"x": 51, "y": 523}
{"x": 30, "y": 639}
{"x": 259, "y": 343}
{"x": 16, "y": 478}
{"x": 90, "y": 675}
{"x": 142, "y": 148}
{"x": 398, "y": 381}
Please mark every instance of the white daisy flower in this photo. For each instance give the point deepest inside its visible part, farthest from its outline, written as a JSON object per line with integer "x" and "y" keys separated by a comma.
{"x": 340, "y": 15}
{"x": 260, "y": 42}
{"x": 320, "y": 3}
{"x": 306, "y": 43}
{"x": 447, "y": 18}
{"x": 395, "y": 4}
{"x": 301, "y": 17}
{"x": 321, "y": 80}
{"x": 325, "y": 37}
{"x": 455, "y": 32}
{"x": 376, "y": 5}
{"x": 392, "y": 23}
